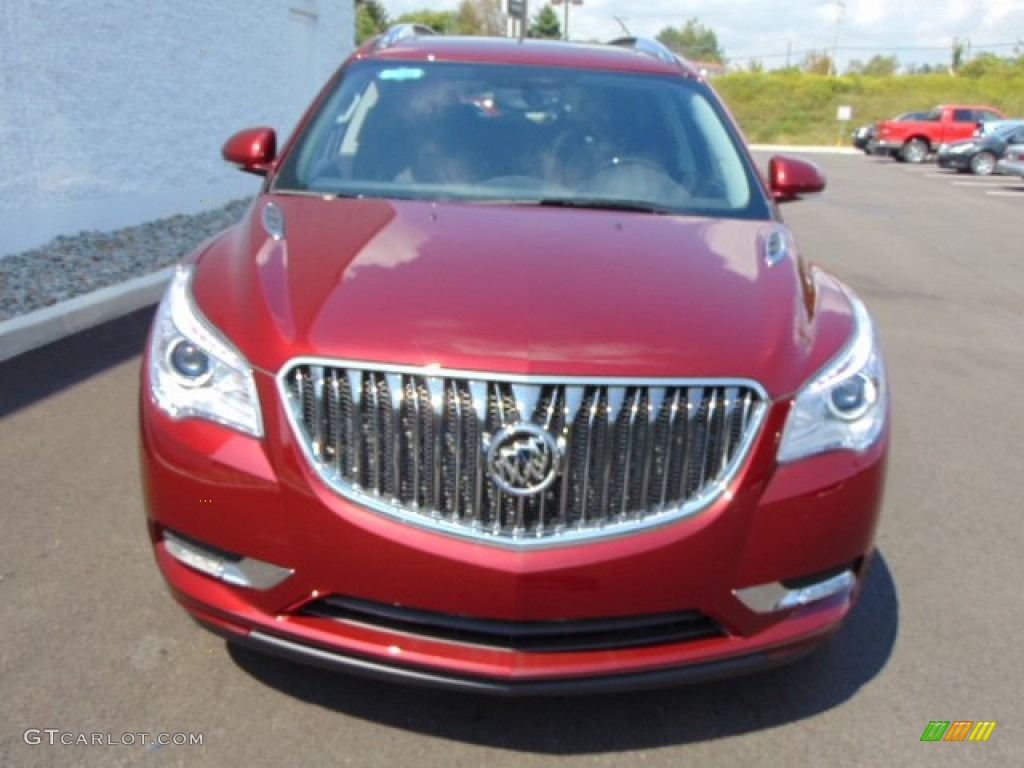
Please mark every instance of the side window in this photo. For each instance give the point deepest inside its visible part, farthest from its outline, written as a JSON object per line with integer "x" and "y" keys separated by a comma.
{"x": 964, "y": 116}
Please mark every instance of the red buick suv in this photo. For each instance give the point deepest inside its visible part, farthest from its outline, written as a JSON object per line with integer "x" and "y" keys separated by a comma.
{"x": 513, "y": 380}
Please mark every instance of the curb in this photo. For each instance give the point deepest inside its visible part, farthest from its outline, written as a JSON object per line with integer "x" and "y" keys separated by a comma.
{"x": 27, "y": 332}
{"x": 805, "y": 150}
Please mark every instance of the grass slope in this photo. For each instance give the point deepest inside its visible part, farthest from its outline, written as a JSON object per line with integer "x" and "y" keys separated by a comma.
{"x": 792, "y": 107}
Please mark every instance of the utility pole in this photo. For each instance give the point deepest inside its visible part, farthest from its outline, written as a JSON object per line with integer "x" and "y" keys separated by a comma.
{"x": 839, "y": 31}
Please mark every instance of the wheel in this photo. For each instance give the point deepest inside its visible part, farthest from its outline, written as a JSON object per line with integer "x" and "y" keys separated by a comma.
{"x": 914, "y": 151}
{"x": 983, "y": 164}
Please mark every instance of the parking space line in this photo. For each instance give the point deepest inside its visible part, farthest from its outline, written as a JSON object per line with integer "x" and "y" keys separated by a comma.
{"x": 979, "y": 183}
{"x": 1019, "y": 192}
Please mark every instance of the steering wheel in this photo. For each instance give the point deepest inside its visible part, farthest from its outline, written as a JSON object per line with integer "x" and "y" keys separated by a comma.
{"x": 634, "y": 177}
{"x": 629, "y": 161}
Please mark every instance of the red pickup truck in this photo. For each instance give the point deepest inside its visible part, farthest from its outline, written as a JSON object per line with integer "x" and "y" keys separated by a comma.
{"x": 913, "y": 140}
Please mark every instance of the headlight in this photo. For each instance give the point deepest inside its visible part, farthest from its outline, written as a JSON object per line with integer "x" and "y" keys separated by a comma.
{"x": 959, "y": 149}
{"x": 844, "y": 406}
{"x": 194, "y": 371}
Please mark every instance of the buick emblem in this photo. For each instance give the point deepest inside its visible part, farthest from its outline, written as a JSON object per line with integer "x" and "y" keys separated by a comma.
{"x": 522, "y": 459}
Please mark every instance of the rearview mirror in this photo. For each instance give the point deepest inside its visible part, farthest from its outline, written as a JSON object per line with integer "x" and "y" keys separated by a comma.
{"x": 252, "y": 150}
{"x": 790, "y": 178}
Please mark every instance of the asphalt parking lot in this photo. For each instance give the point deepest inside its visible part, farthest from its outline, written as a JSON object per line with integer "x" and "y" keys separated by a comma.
{"x": 996, "y": 185}
{"x": 93, "y": 644}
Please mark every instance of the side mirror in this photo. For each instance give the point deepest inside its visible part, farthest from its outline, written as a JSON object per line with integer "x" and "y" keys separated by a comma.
{"x": 790, "y": 178}
{"x": 252, "y": 150}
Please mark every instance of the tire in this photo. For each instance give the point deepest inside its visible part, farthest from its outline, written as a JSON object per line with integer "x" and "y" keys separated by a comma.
{"x": 983, "y": 164}
{"x": 914, "y": 151}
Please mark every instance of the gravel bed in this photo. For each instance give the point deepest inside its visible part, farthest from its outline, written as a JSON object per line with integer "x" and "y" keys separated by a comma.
{"x": 70, "y": 266}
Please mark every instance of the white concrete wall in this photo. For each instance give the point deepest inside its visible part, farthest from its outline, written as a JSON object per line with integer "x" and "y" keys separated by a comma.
{"x": 113, "y": 112}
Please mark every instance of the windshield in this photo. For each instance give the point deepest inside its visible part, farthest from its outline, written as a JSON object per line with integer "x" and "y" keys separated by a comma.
{"x": 1004, "y": 132}
{"x": 524, "y": 135}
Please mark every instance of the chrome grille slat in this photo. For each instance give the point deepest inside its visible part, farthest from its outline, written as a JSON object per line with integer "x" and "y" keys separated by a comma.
{"x": 355, "y": 428}
{"x": 692, "y": 436}
{"x": 333, "y": 427}
{"x": 435, "y": 443}
{"x": 633, "y": 412}
{"x": 478, "y": 397}
{"x": 412, "y": 443}
{"x": 393, "y": 392}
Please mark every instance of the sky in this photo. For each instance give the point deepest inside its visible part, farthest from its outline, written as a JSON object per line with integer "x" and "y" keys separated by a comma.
{"x": 915, "y": 31}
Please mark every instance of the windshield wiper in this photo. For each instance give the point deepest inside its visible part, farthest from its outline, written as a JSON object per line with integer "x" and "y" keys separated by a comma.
{"x": 605, "y": 204}
{"x": 317, "y": 193}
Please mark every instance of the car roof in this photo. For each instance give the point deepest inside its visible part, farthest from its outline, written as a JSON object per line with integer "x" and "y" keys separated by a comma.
{"x": 968, "y": 106}
{"x": 626, "y": 55}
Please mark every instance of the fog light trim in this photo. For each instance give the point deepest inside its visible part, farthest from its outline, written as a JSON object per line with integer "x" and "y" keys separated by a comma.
{"x": 232, "y": 569}
{"x": 768, "y": 598}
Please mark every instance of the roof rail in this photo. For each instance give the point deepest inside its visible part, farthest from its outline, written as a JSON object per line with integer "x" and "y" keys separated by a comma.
{"x": 650, "y": 46}
{"x": 398, "y": 32}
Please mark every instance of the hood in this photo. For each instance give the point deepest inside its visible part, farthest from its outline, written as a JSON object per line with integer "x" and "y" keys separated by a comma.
{"x": 521, "y": 290}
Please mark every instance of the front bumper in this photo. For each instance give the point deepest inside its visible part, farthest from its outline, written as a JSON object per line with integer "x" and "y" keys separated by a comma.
{"x": 259, "y": 499}
{"x": 694, "y": 672}
{"x": 957, "y": 162}
{"x": 887, "y": 146}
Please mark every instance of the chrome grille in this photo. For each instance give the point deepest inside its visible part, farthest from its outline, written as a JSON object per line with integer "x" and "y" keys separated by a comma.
{"x": 412, "y": 443}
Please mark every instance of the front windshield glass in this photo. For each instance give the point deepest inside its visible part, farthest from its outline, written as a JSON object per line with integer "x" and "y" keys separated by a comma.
{"x": 494, "y": 133}
{"x": 1004, "y": 132}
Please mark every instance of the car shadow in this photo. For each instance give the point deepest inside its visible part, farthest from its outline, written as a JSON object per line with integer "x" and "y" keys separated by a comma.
{"x": 35, "y": 375}
{"x": 615, "y": 722}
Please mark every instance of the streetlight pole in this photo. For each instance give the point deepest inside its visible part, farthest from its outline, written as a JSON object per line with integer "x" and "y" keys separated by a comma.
{"x": 565, "y": 31}
{"x": 518, "y": 13}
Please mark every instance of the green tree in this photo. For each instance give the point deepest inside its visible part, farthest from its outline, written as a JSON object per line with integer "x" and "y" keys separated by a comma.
{"x": 817, "y": 63}
{"x": 876, "y": 66}
{"x": 371, "y": 20}
{"x": 545, "y": 24}
{"x": 480, "y": 17}
{"x": 442, "y": 22}
{"x": 986, "y": 64}
{"x": 693, "y": 40}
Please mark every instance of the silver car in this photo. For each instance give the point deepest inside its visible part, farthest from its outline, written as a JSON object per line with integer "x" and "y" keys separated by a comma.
{"x": 1012, "y": 163}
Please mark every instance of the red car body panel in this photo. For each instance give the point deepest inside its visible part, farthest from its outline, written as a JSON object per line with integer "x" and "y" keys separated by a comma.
{"x": 420, "y": 284}
{"x": 511, "y": 290}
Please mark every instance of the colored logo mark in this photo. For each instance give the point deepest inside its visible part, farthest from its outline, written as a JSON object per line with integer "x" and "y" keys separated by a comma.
{"x": 958, "y": 730}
